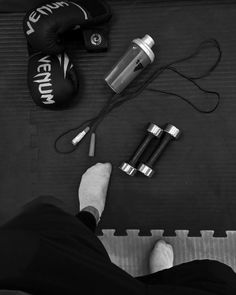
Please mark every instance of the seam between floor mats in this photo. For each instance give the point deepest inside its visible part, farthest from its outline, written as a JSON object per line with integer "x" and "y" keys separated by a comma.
{"x": 34, "y": 169}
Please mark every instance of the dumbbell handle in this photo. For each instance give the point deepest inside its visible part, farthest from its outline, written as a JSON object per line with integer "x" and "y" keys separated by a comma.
{"x": 160, "y": 149}
{"x": 141, "y": 148}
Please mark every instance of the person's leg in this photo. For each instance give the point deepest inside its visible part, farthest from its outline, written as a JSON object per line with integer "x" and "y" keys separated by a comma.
{"x": 208, "y": 275}
{"x": 205, "y": 275}
{"x": 92, "y": 194}
{"x": 88, "y": 219}
{"x": 161, "y": 257}
{"x": 93, "y": 188}
{"x": 46, "y": 213}
{"x": 71, "y": 258}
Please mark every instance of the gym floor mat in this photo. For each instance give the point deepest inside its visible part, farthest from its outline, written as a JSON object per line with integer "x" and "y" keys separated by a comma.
{"x": 194, "y": 186}
{"x": 15, "y": 128}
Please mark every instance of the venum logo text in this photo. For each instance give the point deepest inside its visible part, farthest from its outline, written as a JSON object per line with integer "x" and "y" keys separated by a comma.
{"x": 43, "y": 78}
{"x": 43, "y": 10}
{"x": 48, "y": 9}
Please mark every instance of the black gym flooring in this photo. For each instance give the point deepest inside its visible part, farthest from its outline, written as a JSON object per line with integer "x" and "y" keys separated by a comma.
{"x": 194, "y": 187}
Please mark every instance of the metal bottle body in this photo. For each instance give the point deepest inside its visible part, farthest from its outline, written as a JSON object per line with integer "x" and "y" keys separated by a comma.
{"x": 130, "y": 65}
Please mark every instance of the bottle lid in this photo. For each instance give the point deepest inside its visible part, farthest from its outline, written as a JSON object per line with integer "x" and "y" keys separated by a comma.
{"x": 148, "y": 40}
{"x": 146, "y": 44}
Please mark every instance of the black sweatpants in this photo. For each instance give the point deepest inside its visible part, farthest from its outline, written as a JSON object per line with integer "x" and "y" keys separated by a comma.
{"x": 45, "y": 250}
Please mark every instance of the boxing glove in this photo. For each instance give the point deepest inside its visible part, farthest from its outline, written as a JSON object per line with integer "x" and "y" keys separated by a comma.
{"x": 52, "y": 80}
{"x": 46, "y": 25}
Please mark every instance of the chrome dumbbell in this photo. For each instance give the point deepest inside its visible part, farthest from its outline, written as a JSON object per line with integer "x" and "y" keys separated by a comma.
{"x": 170, "y": 132}
{"x": 129, "y": 167}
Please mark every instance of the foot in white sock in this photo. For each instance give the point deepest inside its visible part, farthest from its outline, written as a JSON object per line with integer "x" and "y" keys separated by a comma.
{"x": 93, "y": 187}
{"x": 162, "y": 257}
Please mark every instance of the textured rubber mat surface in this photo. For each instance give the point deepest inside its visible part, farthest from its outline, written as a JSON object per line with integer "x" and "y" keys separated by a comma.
{"x": 15, "y": 126}
{"x": 194, "y": 186}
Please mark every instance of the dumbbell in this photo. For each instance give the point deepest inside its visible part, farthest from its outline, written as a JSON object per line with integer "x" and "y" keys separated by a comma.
{"x": 129, "y": 167}
{"x": 171, "y": 133}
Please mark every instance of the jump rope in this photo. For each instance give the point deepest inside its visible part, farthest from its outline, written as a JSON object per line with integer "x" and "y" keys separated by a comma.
{"x": 117, "y": 100}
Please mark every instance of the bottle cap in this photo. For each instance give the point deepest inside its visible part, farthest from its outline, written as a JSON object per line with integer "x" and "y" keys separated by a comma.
{"x": 148, "y": 40}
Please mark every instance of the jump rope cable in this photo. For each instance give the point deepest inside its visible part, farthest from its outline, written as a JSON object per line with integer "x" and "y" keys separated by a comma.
{"x": 117, "y": 100}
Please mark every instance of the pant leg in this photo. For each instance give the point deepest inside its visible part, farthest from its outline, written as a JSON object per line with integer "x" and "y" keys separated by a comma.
{"x": 206, "y": 275}
{"x": 87, "y": 219}
{"x": 70, "y": 259}
{"x": 46, "y": 217}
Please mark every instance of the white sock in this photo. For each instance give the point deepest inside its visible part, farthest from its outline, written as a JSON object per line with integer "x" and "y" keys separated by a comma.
{"x": 162, "y": 257}
{"x": 93, "y": 187}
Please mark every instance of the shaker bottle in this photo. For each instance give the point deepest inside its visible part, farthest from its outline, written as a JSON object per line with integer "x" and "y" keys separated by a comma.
{"x": 138, "y": 56}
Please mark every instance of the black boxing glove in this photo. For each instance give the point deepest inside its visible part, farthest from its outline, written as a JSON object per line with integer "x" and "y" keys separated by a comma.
{"x": 52, "y": 80}
{"x": 45, "y": 26}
